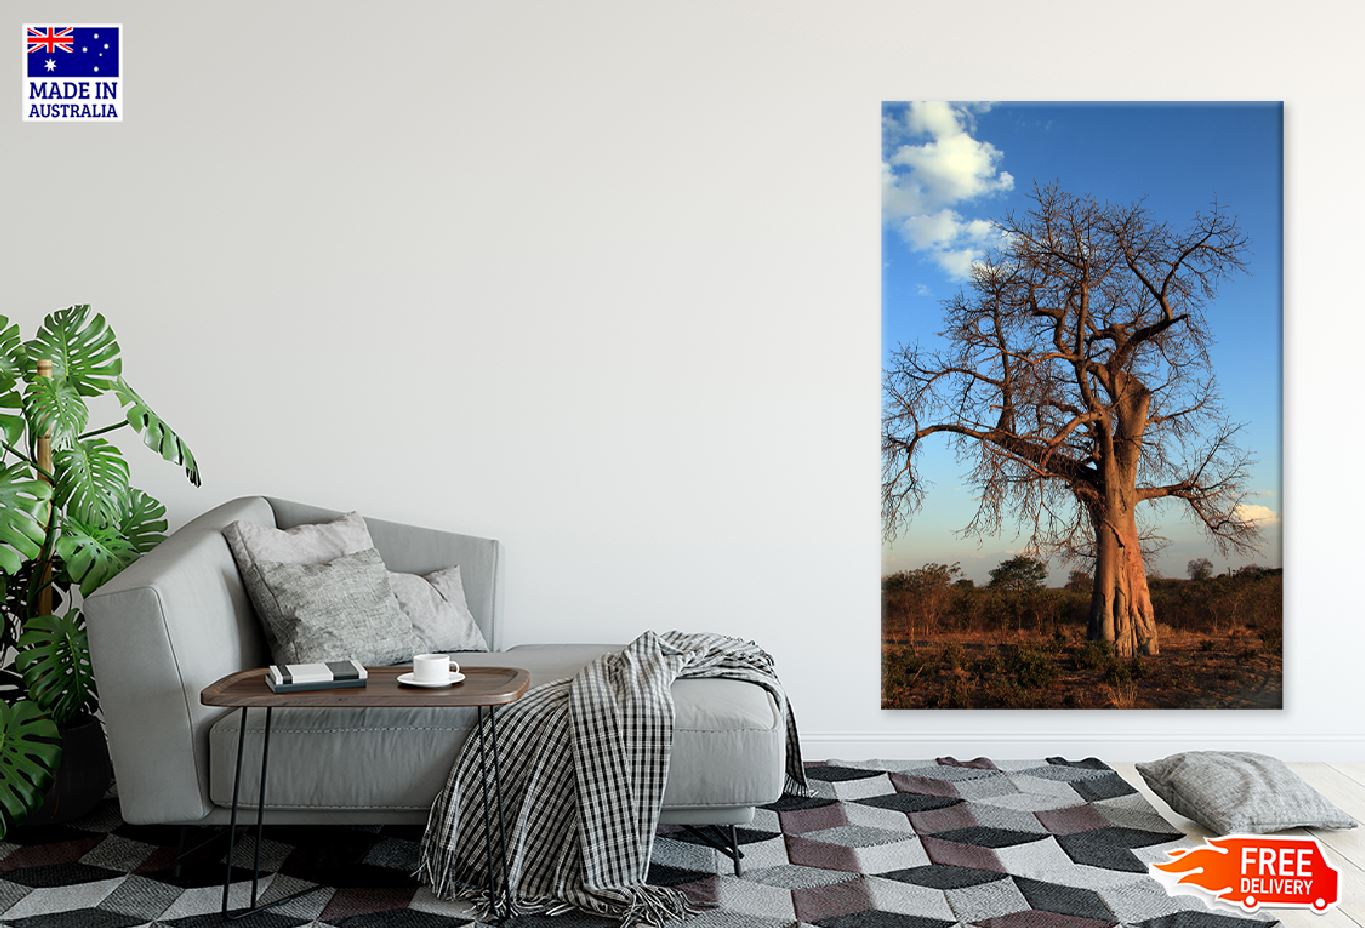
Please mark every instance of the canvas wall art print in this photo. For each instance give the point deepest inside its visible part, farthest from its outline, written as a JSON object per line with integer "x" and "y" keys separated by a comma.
{"x": 1081, "y": 311}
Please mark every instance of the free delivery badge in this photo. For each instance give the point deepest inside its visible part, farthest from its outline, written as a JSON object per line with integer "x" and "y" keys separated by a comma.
{"x": 1250, "y": 871}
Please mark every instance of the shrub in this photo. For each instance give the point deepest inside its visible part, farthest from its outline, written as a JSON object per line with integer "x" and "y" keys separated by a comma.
{"x": 899, "y": 664}
{"x": 1097, "y": 656}
{"x": 1005, "y": 695}
{"x": 1273, "y": 637}
{"x": 990, "y": 667}
{"x": 1032, "y": 667}
{"x": 956, "y": 694}
{"x": 1120, "y": 672}
{"x": 923, "y": 603}
{"x": 952, "y": 657}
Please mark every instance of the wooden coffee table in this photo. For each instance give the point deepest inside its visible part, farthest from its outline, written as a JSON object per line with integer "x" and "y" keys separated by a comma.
{"x": 483, "y": 689}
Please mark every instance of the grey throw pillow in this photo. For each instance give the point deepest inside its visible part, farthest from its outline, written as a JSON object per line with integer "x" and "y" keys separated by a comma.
{"x": 1232, "y": 791}
{"x": 438, "y": 609}
{"x": 253, "y": 544}
{"x": 339, "y": 609}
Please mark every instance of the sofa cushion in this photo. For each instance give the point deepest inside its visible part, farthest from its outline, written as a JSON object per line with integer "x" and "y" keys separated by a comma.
{"x": 440, "y": 614}
{"x": 728, "y": 745}
{"x": 253, "y": 545}
{"x": 338, "y": 610}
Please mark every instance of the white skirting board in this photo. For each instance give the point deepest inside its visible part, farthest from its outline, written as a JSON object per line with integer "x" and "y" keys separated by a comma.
{"x": 1110, "y": 745}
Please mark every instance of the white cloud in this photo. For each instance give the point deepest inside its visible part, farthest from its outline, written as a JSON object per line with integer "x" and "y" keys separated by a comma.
{"x": 935, "y": 166}
{"x": 930, "y": 230}
{"x": 955, "y": 167}
{"x": 1254, "y": 512}
{"x": 982, "y": 230}
{"x": 923, "y": 290}
{"x": 958, "y": 262}
{"x": 933, "y": 117}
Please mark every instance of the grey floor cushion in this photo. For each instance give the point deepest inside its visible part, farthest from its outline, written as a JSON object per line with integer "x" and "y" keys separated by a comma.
{"x": 1233, "y": 791}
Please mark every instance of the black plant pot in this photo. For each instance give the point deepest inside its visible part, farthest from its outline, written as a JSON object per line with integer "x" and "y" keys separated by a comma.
{"x": 83, "y": 777}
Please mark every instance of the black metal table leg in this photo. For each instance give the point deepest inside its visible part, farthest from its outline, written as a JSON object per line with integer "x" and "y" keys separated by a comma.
{"x": 502, "y": 817}
{"x": 232, "y": 821}
{"x": 260, "y": 808}
{"x": 491, "y": 883}
{"x": 260, "y": 829}
{"x": 181, "y": 835}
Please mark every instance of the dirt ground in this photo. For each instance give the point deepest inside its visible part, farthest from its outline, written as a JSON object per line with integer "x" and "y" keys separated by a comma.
{"x": 1063, "y": 671}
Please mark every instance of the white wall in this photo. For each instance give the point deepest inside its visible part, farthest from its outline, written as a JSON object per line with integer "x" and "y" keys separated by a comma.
{"x": 601, "y": 280}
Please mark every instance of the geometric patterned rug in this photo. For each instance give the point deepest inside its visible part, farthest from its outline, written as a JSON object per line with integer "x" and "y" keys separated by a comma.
{"x": 877, "y": 844}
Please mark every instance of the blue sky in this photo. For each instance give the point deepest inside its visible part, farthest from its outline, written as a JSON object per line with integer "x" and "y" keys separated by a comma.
{"x": 948, "y": 169}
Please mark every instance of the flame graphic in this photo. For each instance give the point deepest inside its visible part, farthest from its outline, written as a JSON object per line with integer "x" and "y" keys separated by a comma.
{"x": 1215, "y": 867}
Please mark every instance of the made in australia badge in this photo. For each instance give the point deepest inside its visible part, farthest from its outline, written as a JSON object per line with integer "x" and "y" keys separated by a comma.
{"x": 73, "y": 73}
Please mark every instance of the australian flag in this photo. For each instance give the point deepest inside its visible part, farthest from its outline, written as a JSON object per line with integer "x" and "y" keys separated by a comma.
{"x": 72, "y": 51}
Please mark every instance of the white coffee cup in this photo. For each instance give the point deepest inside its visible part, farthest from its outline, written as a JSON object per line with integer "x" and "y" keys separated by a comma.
{"x": 433, "y": 668}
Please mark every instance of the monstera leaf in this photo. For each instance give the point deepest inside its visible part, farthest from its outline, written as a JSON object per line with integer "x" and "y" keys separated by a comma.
{"x": 25, "y": 504}
{"x": 92, "y": 555}
{"x": 55, "y": 408}
{"x": 11, "y": 354}
{"x": 92, "y": 481}
{"x": 155, "y": 432}
{"x": 143, "y": 524}
{"x": 29, "y": 753}
{"x": 54, "y": 659}
{"x": 82, "y": 348}
{"x": 12, "y": 424}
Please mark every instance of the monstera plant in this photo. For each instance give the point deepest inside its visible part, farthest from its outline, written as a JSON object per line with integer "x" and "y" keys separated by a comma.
{"x": 69, "y": 521}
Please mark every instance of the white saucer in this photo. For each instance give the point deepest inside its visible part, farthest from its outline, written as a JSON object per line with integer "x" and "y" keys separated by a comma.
{"x": 407, "y": 679}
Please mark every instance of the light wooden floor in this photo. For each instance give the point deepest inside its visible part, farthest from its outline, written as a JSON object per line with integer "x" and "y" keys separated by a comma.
{"x": 1343, "y": 784}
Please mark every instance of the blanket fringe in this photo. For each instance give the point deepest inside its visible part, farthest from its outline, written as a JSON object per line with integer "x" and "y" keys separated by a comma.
{"x": 437, "y": 864}
{"x": 657, "y": 906}
{"x": 648, "y": 906}
{"x": 644, "y": 905}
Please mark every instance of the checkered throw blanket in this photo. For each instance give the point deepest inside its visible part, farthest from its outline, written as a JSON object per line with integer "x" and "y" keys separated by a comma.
{"x": 584, "y": 763}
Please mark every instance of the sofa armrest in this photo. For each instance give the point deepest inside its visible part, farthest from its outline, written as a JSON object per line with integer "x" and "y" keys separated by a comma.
{"x": 168, "y": 626}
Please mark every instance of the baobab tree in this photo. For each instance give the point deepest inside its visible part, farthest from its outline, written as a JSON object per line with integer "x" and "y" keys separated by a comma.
{"x": 1075, "y": 380}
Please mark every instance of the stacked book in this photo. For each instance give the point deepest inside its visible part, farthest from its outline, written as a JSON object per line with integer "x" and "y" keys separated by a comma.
{"x": 331, "y": 675}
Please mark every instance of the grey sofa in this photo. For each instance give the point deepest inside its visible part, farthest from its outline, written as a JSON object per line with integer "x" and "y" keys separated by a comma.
{"x": 179, "y": 619}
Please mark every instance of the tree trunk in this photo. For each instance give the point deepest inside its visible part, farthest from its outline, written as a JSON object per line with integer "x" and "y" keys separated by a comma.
{"x": 1120, "y": 604}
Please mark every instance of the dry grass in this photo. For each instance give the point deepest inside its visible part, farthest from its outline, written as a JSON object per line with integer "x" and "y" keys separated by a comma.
{"x": 982, "y": 647}
{"x": 1122, "y": 694}
{"x": 1029, "y": 670}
